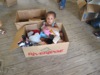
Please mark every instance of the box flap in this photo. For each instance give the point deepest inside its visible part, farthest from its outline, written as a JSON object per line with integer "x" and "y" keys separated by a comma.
{"x": 86, "y": 16}
{"x": 21, "y": 24}
{"x": 17, "y": 37}
{"x": 17, "y": 17}
{"x": 81, "y": 3}
{"x": 93, "y": 8}
{"x": 31, "y": 13}
{"x": 94, "y": 2}
{"x": 35, "y": 19}
{"x": 65, "y": 34}
{"x": 31, "y": 27}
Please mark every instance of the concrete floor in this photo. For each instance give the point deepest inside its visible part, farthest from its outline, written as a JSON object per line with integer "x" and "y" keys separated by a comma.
{"x": 83, "y": 57}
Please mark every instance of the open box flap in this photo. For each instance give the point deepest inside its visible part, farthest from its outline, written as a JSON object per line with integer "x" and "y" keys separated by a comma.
{"x": 17, "y": 38}
{"x": 93, "y": 8}
{"x": 86, "y": 16}
{"x": 81, "y": 3}
{"x": 31, "y": 13}
{"x": 65, "y": 34}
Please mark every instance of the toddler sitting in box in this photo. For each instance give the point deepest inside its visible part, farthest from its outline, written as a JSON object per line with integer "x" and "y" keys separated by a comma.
{"x": 49, "y": 27}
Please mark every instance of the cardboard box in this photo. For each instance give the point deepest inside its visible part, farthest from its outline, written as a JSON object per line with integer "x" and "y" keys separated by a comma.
{"x": 41, "y": 50}
{"x": 81, "y": 3}
{"x": 86, "y": 16}
{"x": 88, "y": 11}
{"x": 23, "y": 16}
{"x": 11, "y": 2}
{"x": 93, "y": 8}
{"x": 97, "y": 2}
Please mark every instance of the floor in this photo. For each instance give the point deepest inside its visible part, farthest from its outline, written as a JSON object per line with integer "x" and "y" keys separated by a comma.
{"x": 83, "y": 57}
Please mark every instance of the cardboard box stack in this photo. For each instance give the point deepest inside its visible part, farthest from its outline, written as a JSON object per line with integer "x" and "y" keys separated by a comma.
{"x": 88, "y": 11}
{"x": 8, "y": 2}
{"x": 32, "y": 19}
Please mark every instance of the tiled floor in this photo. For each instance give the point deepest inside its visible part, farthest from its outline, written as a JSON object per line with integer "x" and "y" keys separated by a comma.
{"x": 83, "y": 57}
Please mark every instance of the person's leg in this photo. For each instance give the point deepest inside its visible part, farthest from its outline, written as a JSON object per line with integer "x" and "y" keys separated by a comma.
{"x": 58, "y": 1}
{"x": 62, "y": 4}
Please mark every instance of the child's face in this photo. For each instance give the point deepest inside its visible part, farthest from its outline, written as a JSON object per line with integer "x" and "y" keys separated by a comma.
{"x": 50, "y": 19}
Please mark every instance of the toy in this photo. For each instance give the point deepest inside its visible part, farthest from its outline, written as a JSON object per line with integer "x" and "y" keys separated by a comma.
{"x": 2, "y": 31}
{"x": 35, "y": 38}
{"x": 56, "y": 39}
{"x": 43, "y": 35}
{"x": 30, "y": 33}
{"x": 24, "y": 42}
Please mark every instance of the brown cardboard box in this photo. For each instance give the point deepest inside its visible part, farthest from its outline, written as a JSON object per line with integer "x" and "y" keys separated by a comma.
{"x": 88, "y": 11}
{"x": 81, "y": 3}
{"x": 93, "y": 8}
{"x": 23, "y": 16}
{"x": 35, "y": 19}
{"x": 11, "y": 2}
{"x": 41, "y": 50}
{"x": 86, "y": 16}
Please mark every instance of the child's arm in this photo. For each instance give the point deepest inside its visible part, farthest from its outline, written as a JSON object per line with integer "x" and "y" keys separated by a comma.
{"x": 56, "y": 26}
{"x": 43, "y": 25}
{"x": 53, "y": 28}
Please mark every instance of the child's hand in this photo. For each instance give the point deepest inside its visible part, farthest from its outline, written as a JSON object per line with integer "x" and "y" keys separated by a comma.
{"x": 49, "y": 28}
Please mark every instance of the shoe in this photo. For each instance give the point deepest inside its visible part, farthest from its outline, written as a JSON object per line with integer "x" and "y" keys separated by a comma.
{"x": 97, "y": 34}
{"x": 2, "y": 31}
{"x": 61, "y": 7}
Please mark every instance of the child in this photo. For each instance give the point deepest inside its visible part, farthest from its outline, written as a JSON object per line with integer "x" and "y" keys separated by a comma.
{"x": 1, "y": 31}
{"x": 49, "y": 28}
{"x": 50, "y": 20}
{"x": 49, "y": 33}
{"x": 49, "y": 24}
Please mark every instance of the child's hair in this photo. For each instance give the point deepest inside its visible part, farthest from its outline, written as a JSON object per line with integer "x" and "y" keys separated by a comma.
{"x": 51, "y": 12}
